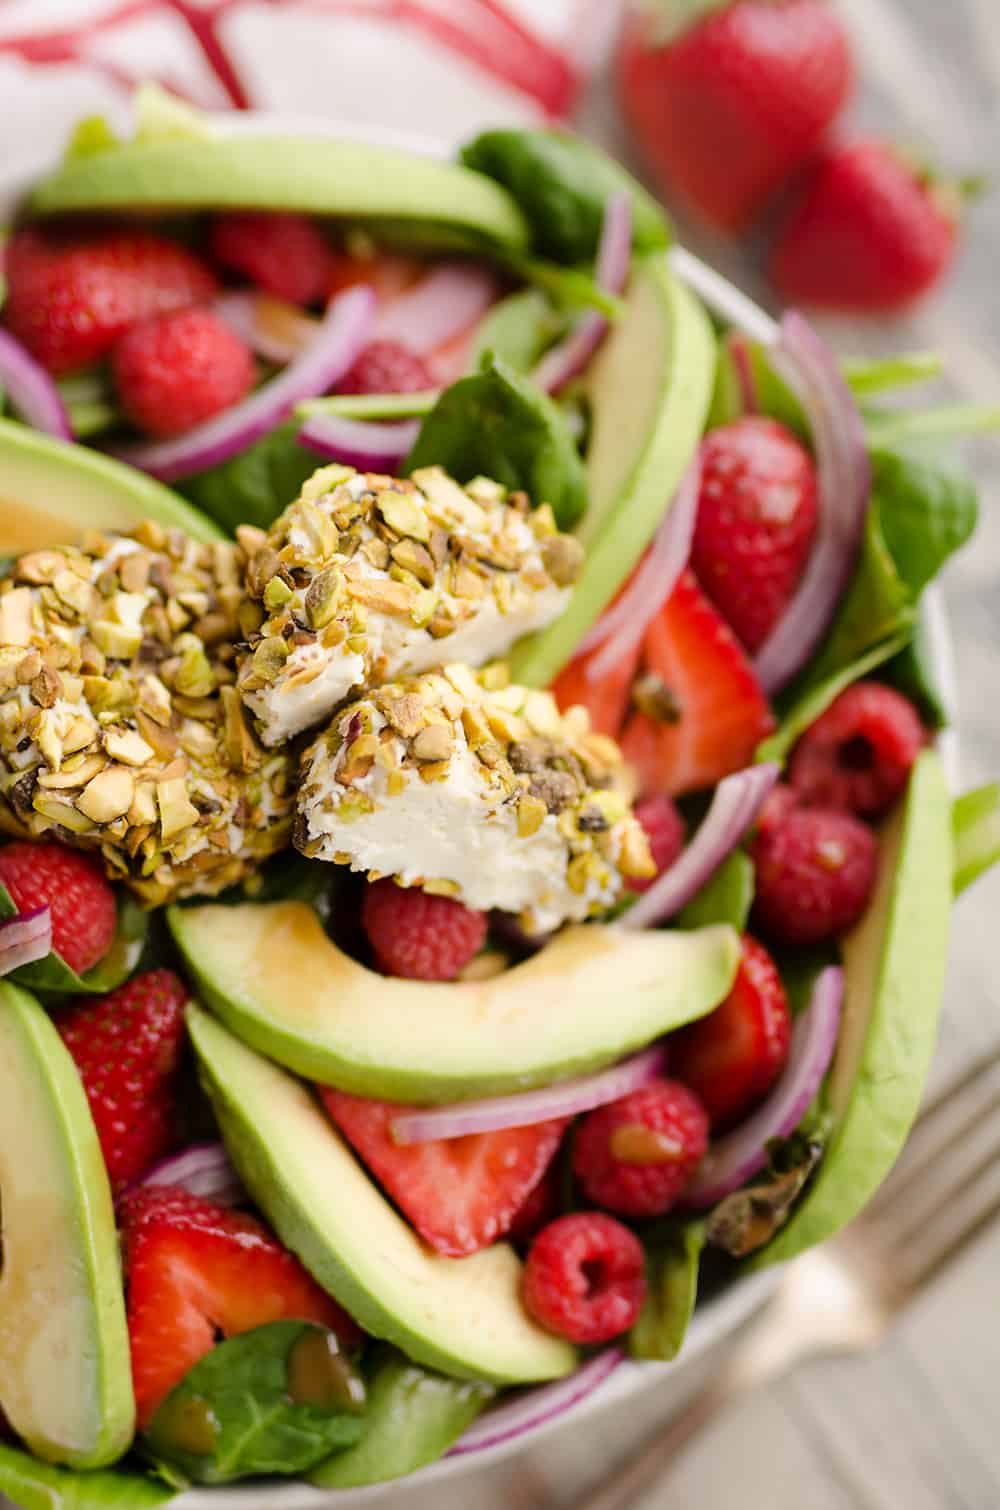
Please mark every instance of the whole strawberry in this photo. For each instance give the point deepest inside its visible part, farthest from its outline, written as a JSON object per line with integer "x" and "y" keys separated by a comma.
{"x": 872, "y": 232}
{"x": 757, "y": 513}
{"x": 127, "y": 1047}
{"x": 283, "y": 253}
{"x": 74, "y": 889}
{"x": 730, "y": 99}
{"x": 177, "y": 370}
{"x": 69, "y": 298}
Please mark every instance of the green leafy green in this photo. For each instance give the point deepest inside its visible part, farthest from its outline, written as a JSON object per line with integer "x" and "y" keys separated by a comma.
{"x": 672, "y": 1264}
{"x": 927, "y": 509}
{"x": 726, "y": 897}
{"x": 518, "y": 330}
{"x": 562, "y": 184}
{"x": 53, "y": 975}
{"x": 370, "y": 405}
{"x": 42, "y": 1486}
{"x": 413, "y": 1417}
{"x": 915, "y": 672}
{"x": 247, "y": 1407}
{"x": 256, "y": 485}
{"x": 975, "y": 821}
{"x": 947, "y": 422}
{"x": 93, "y": 134}
{"x": 867, "y": 375}
{"x": 498, "y": 424}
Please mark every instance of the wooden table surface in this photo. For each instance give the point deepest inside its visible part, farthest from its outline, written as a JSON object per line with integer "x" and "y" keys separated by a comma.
{"x": 917, "y": 1424}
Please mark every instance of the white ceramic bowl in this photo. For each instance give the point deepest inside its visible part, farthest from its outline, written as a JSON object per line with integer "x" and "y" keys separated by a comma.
{"x": 727, "y": 1312}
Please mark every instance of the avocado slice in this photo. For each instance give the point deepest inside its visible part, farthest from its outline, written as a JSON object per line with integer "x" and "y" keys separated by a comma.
{"x": 319, "y": 175}
{"x": 650, "y": 387}
{"x": 275, "y": 978}
{"x": 894, "y": 968}
{"x": 460, "y": 1315}
{"x": 65, "y": 1377}
{"x": 51, "y": 491}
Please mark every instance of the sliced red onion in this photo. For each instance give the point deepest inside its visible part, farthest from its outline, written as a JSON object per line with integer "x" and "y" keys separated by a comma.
{"x": 426, "y": 1125}
{"x": 204, "y": 1170}
{"x": 569, "y": 357}
{"x": 844, "y": 481}
{"x": 340, "y": 336}
{"x": 534, "y": 1408}
{"x": 723, "y": 297}
{"x": 273, "y": 328}
{"x": 735, "y": 804}
{"x": 369, "y": 445}
{"x": 741, "y": 1154}
{"x": 25, "y": 938}
{"x": 651, "y": 586}
{"x": 443, "y": 304}
{"x": 30, "y": 389}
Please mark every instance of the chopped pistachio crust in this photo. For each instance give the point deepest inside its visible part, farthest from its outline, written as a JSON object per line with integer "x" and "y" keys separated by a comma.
{"x": 366, "y": 578}
{"x": 544, "y": 791}
{"x": 121, "y": 730}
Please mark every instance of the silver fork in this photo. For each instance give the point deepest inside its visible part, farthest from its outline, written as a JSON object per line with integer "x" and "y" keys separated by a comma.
{"x": 844, "y": 1296}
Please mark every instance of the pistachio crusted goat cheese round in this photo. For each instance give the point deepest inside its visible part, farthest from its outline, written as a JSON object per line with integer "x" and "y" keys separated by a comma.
{"x": 471, "y": 787}
{"x": 121, "y": 729}
{"x": 366, "y": 578}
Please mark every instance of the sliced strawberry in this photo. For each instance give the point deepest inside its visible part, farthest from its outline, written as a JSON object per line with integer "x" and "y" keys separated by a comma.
{"x": 195, "y": 1269}
{"x": 606, "y": 699}
{"x": 714, "y": 713}
{"x": 461, "y": 1194}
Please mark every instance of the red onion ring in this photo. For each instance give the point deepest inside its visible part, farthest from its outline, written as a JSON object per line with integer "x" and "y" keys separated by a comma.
{"x": 204, "y": 1169}
{"x": 274, "y": 329}
{"x": 568, "y": 359}
{"x": 741, "y": 1154}
{"x": 30, "y": 389}
{"x": 340, "y": 336}
{"x": 735, "y": 804}
{"x": 533, "y": 1408}
{"x": 369, "y": 445}
{"x": 443, "y": 304}
{"x": 807, "y": 365}
{"x": 25, "y": 938}
{"x": 426, "y": 1125}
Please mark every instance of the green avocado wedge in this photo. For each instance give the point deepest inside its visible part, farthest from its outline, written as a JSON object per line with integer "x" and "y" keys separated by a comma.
{"x": 51, "y": 491}
{"x": 462, "y": 1316}
{"x": 275, "y": 978}
{"x": 316, "y": 174}
{"x": 649, "y": 389}
{"x": 894, "y": 966}
{"x": 65, "y": 1377}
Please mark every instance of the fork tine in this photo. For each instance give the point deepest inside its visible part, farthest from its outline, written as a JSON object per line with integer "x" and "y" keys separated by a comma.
{"x": 947, "y": 1198}
{"x": 962, "y": 1082}
{"x": 921, "y": 1273}
{"x": 902, "y": 1182}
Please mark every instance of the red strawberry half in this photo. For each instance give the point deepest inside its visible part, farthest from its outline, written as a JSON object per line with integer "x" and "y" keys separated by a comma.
{"x": 461, "y": 1194}
{"x": 195, "y": 1270}
{"x": 73, "y": 887}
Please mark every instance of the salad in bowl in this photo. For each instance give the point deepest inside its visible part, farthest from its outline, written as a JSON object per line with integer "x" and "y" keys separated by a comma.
{"x": 478, "y": 855}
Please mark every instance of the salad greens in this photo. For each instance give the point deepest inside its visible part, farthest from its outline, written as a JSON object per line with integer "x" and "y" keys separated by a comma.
{"x": 975, "y": 820}
{"x": 42, "y": 1486}
{"x": 673, "y": 1260}
{"x": 518, "y": 330}
{"x": 253, "y": 487}
{"x": 726, "y": 896}
{"x": 52, "y": 975}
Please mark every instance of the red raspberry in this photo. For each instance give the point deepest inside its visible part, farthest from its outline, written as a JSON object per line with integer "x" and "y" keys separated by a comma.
{"x": 665, "y": 831}
{"x": 815, "y": 873}
{"x": 285, "y": 254}
{"x": 70, "y": 298}
{"x": 779, "y": 802}
{"x": 176, "y": 370}
{"x": 585, "y": 1278}
{"x": 127, "y": 1046}
{"x": 418, "y": 936}
{"x": 73, "y": 887}
{"x": 756, "y": 520}
{"x": 636, "y": 1155}
{"x": 387, "y": 367}
{"x": 732, "y": 1057}
{"x": 858, "y": 755}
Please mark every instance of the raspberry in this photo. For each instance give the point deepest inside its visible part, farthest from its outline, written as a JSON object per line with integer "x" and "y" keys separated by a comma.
{"x": 664, "y": 828}
{"x": 756, "y": 520}
{"x": 858, "y": 755}
{"x": 418, "y": 936}
{"x": 779, "y": 802}
{"x": 285, "y": 254}
{"x": 176, "y": 370}
{"x": 636, "y": 1155}
{"x": 73, "y": 887}
{"x": 815, "y": 872}
{"x": 387, "y": 367}
{"x": 732, "y": 1057}
{"x": 70, "y": 298}
{"x": 584, "y": 1277}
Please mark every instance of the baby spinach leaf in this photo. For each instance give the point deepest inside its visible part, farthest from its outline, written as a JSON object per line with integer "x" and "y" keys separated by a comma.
{"x": 975, "y": 821}
{"x": 672, "y": 1263}
{"x": 928, "y": 508}
{"x": 815, "y": 699}
{"x": 562, "y": 184}
{"x": 518, "y": 330}
{"x": 42, "y": 1486}
{"x": 278, "y": 1399}
{"x": 725, "y": 898}
{"x": 867, "y": 375}
{"x": 915, "y": 673}
{"x": 371, "y": 405}
{"x": 254, "y": 487}
{"x": 53, "y": 975}
{"x": 498, "y": 424}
